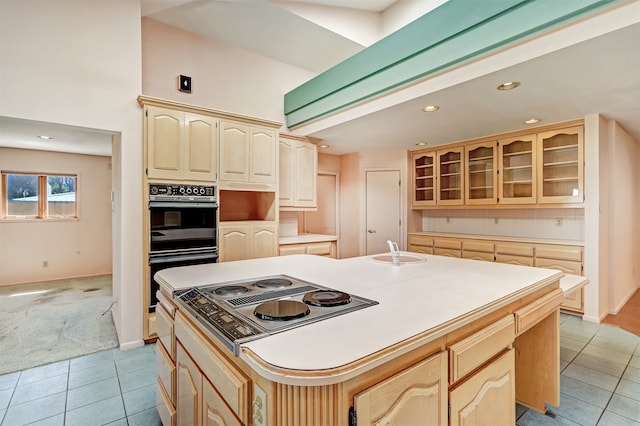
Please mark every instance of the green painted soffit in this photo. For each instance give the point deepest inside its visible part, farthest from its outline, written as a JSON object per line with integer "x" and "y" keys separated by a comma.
{"x": 450, "y": 35}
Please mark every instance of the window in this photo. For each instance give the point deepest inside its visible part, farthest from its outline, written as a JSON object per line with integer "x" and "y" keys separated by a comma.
{"x": 38, "y": 196}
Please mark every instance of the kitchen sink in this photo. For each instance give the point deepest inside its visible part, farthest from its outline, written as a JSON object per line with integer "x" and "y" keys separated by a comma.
{"x": 404, "y": 258}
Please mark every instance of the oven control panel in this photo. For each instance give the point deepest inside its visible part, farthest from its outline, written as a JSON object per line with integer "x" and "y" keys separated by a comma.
{"x": 161, "y": 191}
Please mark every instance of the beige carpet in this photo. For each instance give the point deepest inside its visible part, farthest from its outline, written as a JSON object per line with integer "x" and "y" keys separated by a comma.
{"x": 45, "y": 322}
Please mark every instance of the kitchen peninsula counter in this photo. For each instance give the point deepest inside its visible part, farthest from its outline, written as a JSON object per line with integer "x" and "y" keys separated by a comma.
{"x": 424, "y": 307}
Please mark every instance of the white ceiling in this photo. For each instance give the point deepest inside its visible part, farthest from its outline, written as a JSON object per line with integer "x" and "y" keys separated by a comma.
{"x": 594, "y": 68}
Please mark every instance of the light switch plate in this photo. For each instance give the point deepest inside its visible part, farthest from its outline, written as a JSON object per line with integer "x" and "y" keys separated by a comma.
{"x": 184, "y": 83}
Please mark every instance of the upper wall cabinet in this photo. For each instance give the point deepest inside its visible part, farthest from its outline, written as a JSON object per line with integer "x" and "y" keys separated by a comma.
{"x": 561, "y": 165}
{"x": 481, "y": 165}
{"x": 298, "y": 173}
{"x": 181, "y": 145}
{"x": 539, "y": 169}
{"x": 517, "y": 170}
{"x": 248, "y": 157}
{"x": 424, "y": 179}
{"x": 450, "y": 176}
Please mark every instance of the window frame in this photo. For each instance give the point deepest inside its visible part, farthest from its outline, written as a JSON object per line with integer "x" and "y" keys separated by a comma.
{"x": 42, "y": 198}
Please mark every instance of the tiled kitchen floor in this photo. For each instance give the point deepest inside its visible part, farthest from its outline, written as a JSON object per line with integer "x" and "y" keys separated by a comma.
{"x": 600, "y": 385}
{"x": 109, "y": 387}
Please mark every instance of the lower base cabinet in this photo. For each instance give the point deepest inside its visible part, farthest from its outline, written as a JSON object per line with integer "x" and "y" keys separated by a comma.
{"x": 215, "y": 411}
{"x": 488, "y": 394}
{"x": 416, "y": 396}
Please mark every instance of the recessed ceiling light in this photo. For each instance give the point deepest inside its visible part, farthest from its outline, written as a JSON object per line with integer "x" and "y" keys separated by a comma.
{"x": 532, "y": 121}
{"x": 431, "y": 108}
{"x": 45, "y": 137}
{"x": 421, "y": 144}
{"x": 508, "y": 86}
{"x": 323, "y": 146}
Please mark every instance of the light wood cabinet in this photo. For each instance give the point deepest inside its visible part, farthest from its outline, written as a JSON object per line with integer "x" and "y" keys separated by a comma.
{"x": 568, "y": 260}
{"x": 488, "y": 394}
{"x": 248, "y": 156}
{"x": 215, "y": 411}
{"x": 324, "y": 248}
{"x": 561, "y": 165}
{"x": 181, "y": 145}
{"x": 424, "y": 179}
{"x": 478, "y": 250}
{"x": 247, "y": 240}
{"x": 517, "y": 170}
{"x": 189, "y": 398}
{"x": 450, "y": 177}
{"x": 447, "y": 247}
{"x": 515, "y": 253}
{"x": 416, "y": 396}
{"x": 481, "y": 172}
{"x": 298, "y": 165}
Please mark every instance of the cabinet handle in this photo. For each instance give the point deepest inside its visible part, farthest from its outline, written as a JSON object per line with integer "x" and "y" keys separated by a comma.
{"x": 371, "y": 231}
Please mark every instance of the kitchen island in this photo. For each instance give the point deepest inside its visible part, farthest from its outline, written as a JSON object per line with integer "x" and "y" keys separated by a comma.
{"x": 447, "y": 334}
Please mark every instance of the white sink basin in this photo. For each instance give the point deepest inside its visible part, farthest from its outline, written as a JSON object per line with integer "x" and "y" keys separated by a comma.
{"x": 404, "y": 258}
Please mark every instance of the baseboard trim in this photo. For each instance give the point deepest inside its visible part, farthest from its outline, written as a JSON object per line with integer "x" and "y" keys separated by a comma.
{"x": 130, "y": 345}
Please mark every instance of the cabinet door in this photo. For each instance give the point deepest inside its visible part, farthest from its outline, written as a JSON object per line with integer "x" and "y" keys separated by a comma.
{"x": 262, "y": 156}
{"x": 189, "y": 389}
{"x": 487, "y": 397}
{"x": 574, "y": 301}
{"x": 286, "y": 167}
{"x": 264, "y": 241}
{"x": 235, "y": 242}
{"x": 306, "y": 167}
{"x": 561, "y": 166}
{"x": 289, "y": 249}
{"x": 216, "y": 412}
{"x": 234, "y": 152}
{"x": 481, "y": 166}
{"x": 416, "y": 396}
{"x": 424, "y": 179}
{"x": 517, "y": 170}
{"x": 201, "y": 147}
{"x": 450, "y": 181}
{"x": 165, "y": 143}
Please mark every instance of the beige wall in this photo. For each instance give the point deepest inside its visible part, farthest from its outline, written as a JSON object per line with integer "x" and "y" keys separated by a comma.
{"x": 223, "y": 77}
{"x": 72, "y": 248}
{"x": 78, "y": 63}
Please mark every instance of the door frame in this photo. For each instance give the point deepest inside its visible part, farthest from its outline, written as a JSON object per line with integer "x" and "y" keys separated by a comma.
{"x": 403, "y": 206}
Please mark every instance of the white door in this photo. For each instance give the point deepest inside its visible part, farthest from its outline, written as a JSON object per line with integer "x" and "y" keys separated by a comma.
{"x": 323, "y": 221}
{"x": 383, "y": 210}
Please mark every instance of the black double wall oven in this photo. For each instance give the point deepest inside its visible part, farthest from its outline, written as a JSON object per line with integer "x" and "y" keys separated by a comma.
{"x": 183, "y": 228}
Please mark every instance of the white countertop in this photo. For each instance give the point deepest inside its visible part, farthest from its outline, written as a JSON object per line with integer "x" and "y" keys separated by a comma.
{"x": 440, "y": 294}
{"x": 307, "y": 238}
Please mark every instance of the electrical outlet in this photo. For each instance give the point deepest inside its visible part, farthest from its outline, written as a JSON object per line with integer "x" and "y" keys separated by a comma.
{"x": 496, "y": 220}
{"x": 558, "y": 221}
{"x": 448, "y": 219}
{"x": 45, "y": 263}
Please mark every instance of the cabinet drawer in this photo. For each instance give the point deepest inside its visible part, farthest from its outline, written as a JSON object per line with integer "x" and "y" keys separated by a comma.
{"x": 319, "y": 249}
{"x": 230, "y": 382}
{"x": 287, "y": 250}
{"x": 567, "y": 266}
{"x": 515, "y": 249}
{"x": 473, "y": 351}
{"x": 446, "y": 252}
{"x": 165, "y": 409}
{"x": 534, "y": 312}
{"x": 564, "y": 253}
{"x": 168, "y": 304}
{"x": 164, "y": 329}
{"x": 514, "y": 260}
{"x": 574, "y": 301}
{"x": 166, "y": 372}
{"x": 481, "y": 246}
{"x": 421, "y": 249}
{"x": 477, "y": 255}
{"x": 447, "y": 244}
{"x": 420, "y": 240}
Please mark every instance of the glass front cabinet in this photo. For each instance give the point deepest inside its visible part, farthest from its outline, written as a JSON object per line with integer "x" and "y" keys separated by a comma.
{"x": 517, "y": 175}
{"x": 450, "y": 177}
{"x": 561, "y": 165}
{"x": 424, "y": 179}
{"x": 481, "y": 173}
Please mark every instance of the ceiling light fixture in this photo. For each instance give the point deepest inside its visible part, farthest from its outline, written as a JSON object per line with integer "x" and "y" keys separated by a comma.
{"x": 421, "y": 144}
{"x": 45, "y": 137}
{"x": 532, "y": 121}
{"x": 431, "y": 108}
{"x": 508, "y": 86}
{"x": 323, "y": 146}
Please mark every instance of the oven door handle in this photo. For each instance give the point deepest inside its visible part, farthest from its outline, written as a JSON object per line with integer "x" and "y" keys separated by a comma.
{"x": 181, "y": 204}
{"x": 182, "y": 257}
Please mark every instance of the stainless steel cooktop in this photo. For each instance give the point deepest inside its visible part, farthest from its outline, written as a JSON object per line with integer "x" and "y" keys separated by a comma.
{"x": 241, "y": 311}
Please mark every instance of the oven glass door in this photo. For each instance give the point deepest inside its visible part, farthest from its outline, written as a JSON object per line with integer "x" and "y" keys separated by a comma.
{"x": 182, "y": 226}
